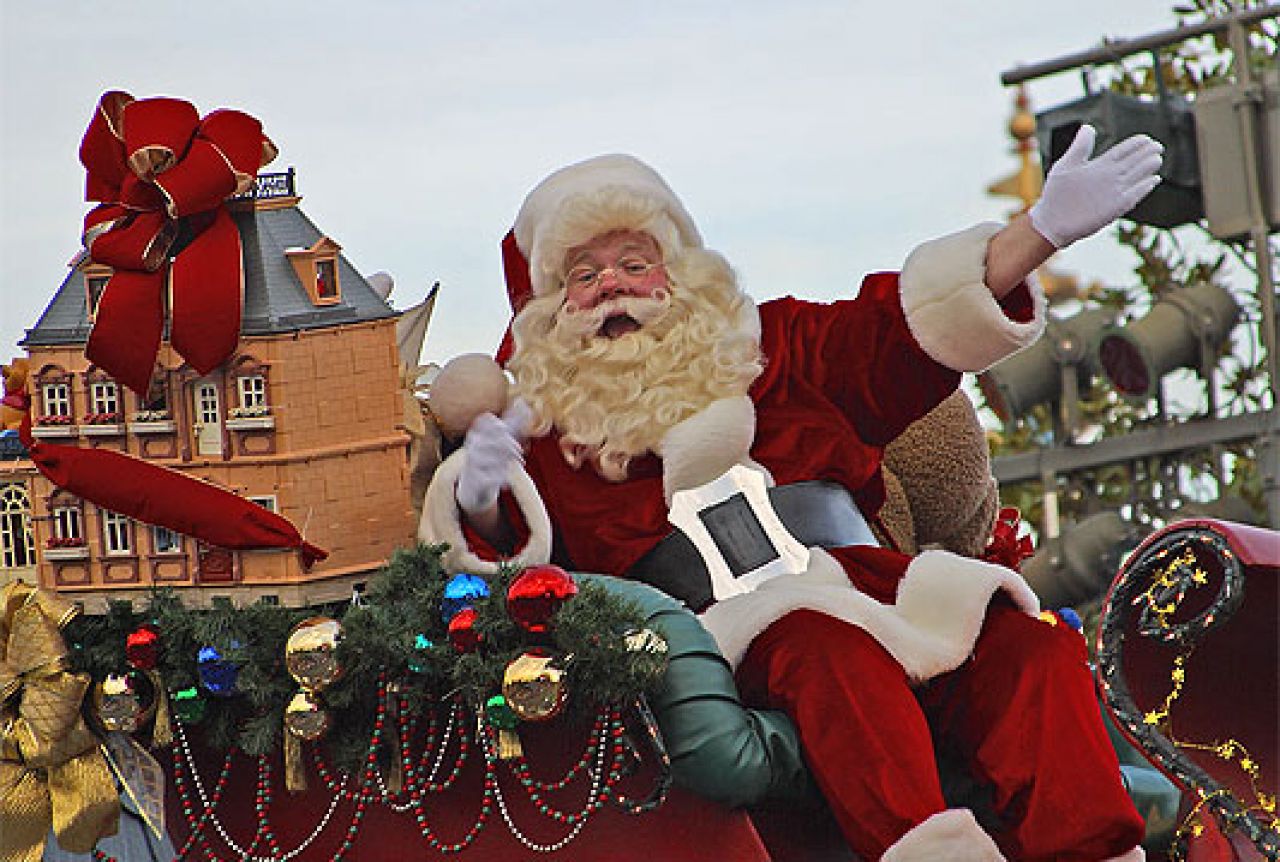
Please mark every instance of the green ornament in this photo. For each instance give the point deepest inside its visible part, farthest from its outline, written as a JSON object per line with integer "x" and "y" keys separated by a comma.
{"x": 500, "y": 714}
{"x": 421, "y": 643}
{"x": 189, "y": 705}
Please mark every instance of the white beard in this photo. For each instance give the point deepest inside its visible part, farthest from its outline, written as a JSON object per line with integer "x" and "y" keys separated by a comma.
{"x": 613, "y": 399}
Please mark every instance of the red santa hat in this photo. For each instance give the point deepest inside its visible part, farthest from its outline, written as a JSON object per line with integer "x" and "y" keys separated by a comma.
{"x": 577, "y": 203}
{"x": 584, "y": 200}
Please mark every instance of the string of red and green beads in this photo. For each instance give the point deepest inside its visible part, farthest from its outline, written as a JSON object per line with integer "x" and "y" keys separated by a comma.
{"x": 532, "y": 600}
{"x": 606, "y": 748}
{"x": 435, "y": 747}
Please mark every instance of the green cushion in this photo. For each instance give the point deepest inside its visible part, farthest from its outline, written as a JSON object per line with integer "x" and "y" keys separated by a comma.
{"x": 719, "y": 749}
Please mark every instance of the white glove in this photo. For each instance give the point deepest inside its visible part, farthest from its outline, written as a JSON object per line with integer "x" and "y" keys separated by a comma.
{"x": 1082, "y": 195}
{"x": 492, "y": 446}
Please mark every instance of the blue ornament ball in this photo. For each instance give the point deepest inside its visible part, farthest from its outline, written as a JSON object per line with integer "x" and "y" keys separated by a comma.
{"x": 1071, "y": 618}
{"x": 218, "y": 675}
{"x": 462, "y": 591}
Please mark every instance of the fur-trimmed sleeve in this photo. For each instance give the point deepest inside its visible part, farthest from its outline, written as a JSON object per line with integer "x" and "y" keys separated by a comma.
{"x": 952, "y": 313}
{"x": 442, "y": 521}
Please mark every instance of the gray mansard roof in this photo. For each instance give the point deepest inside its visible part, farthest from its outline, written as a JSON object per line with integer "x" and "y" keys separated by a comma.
{"x": 275, "y": 302}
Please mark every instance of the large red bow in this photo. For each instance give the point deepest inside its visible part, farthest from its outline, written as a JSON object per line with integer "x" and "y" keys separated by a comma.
{"x": 161, "y": 175}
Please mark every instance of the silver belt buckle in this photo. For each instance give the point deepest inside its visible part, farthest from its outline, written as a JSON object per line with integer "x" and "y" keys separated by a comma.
{"x": 736, "y": 531}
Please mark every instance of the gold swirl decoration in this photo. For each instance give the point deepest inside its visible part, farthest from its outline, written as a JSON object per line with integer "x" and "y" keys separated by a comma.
{"x": 52, "y": 771}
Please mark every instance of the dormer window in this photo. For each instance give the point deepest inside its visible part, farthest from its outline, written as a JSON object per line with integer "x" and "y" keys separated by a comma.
{"x": 317, "y": 270}
{"x": 95, "y": 282}
{"x": 326, "y": 279}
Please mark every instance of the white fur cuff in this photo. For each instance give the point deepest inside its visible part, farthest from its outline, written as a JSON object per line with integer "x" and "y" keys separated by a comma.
{"x": 441, "y": 521}
{"x": 929, "y": 630}
{"x": 950, "y": 310}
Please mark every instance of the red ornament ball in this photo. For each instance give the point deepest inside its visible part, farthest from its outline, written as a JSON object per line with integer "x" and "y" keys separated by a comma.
{"x": 142, "y": 647}
{"x": 462, "y": 630}
{"x": 537, "y": 594}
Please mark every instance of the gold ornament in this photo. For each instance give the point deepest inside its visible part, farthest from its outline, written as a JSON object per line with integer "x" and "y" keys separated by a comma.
{"x": 305, "y": 718}
{"x": 118, "y": 705}
{"x": 649, "y": 651}
{"x": 52, "y": 772}
{"x": 311, "y": 657}
{"x": 311, "y": 653}
{"x": 647, "y": 641}
{"x": 534, "y": 687}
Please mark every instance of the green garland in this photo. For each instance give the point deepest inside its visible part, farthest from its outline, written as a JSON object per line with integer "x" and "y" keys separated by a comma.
{"x": 382, "y": 638}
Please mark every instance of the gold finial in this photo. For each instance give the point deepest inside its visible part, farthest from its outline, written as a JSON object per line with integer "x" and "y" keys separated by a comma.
{"x": 1025, "y": 185}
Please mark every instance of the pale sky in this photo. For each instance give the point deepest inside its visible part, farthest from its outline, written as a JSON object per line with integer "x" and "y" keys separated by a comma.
{"x": 812, "y": 141}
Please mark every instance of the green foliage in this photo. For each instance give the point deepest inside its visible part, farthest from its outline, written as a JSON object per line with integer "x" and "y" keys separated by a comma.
{"x": 380, "y": 644}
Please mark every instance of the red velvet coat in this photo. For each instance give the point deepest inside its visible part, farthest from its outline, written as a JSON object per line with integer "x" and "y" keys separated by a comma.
{"x": 840, "y": 381}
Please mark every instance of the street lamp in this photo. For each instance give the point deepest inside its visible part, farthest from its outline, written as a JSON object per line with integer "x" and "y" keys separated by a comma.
{"x": 1184, "y": 329}
{"x": 1077, "y": 566}
{"x": 1168, "y": 119}
{"x": 1052, "y": 369}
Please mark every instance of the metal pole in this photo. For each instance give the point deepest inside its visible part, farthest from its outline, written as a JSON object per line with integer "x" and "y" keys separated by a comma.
{"x": 1115, "y": 51}
{"x": 1248, "y": 111}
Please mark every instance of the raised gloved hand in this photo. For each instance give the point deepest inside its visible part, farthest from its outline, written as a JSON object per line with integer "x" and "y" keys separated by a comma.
{"x": 492, "y": 446}
{"x": 1082, "y": 195}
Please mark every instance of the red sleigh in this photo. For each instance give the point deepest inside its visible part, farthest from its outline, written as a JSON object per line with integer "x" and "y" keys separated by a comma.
{"x": 1188, "y": 668}
{"x": 742, "y": 790}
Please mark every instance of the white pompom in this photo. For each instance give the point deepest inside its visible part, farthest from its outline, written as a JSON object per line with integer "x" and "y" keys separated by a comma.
{"x": 467, "y": 386}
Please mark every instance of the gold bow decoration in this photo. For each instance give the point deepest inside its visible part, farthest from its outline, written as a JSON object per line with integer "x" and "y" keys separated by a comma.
{"x": 52, "y": 771}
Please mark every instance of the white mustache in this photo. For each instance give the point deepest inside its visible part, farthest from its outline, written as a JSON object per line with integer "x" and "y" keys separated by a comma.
{"x": 586, "y": 323}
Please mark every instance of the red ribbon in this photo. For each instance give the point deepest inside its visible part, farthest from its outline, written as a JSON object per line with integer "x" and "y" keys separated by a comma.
{"x": 162, "y": 175}
{"x": 1006, "y": 547}
{"x": 158, "y": 495}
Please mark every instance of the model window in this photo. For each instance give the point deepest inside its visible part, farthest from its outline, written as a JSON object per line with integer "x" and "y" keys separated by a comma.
{"x": 117, "y": 533}
{"x": 159, "y": 400}
{"x": 165, "y": 541}
{"x": 268, "y": 503}
{"x": 253, "y": 391}
{"x": 96, "y": 284}
{"x": 17, "y": 544}
{"x": 104, "y": 398}
{"x": 57, "y": 399}
{"x": 326, "y": 279}
{"x": 67, "y": 526}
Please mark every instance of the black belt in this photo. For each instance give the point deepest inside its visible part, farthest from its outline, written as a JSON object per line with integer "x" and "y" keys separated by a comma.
{"x": 816, "y": 513}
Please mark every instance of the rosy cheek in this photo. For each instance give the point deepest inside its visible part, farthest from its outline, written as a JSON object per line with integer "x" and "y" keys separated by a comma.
{"x": 578, "y": 297}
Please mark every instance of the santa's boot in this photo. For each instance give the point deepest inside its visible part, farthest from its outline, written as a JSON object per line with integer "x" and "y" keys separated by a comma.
{"x": 952, "y": 835}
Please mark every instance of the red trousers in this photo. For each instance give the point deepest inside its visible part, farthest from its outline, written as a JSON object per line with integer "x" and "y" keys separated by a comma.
{"x": 1020, "y": 715}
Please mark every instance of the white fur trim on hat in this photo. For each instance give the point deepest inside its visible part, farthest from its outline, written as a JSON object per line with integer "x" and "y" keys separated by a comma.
{"x": 582, "y": 201}
{"x": 951, "y": 311}
{"x": 441, "y": 521}
{"x": 929, "y": 629}
{"x": 953, "y": 835}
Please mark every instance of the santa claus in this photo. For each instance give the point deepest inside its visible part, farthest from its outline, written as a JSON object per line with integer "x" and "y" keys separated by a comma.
{"x": 652, "y": 391}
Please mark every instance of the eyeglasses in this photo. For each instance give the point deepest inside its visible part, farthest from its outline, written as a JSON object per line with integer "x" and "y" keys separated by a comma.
{"x": 628, "y": 270}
